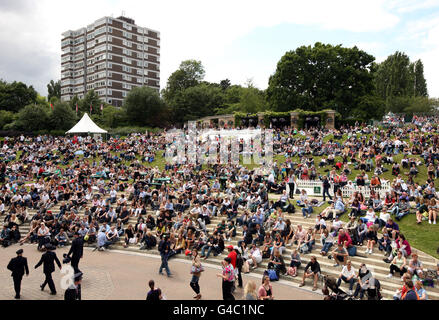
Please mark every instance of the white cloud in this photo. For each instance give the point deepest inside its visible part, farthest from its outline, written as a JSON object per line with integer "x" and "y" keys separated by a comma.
{"x": 197, "y": 29}
{"x": 408, "y": 6}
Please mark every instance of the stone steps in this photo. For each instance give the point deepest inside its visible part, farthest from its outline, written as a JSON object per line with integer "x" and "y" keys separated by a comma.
{"x": 374, "y": 261}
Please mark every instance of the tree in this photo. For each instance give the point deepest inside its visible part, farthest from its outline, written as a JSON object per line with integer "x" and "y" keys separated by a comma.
{"x": 54, "y": 89}
{"x": 113, "y": 117}
{"x": 420, "y": 82}
{"x": 33, "y": 118}
{"x": 6, "y": 117}
{"x": 225, "y": 84}
{"x": 420, "y": 105}
{"x": 14, "y": 96}
{"x": 91, "y": 98}
{"x": 62, "y": 117}
{"x": 321, "y": 77}
{"x": 369, "y": 107}
{"x": 397, "y": 80}
{"x": 197, "y": 102}
{"x": 252, "y": 100}
{"x": 144, "y": 106}
{"x": 189, "y": 74}
{"x": 73, "y": 102}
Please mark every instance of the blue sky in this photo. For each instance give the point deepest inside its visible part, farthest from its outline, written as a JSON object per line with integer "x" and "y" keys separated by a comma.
{"x": 239, "y": 40}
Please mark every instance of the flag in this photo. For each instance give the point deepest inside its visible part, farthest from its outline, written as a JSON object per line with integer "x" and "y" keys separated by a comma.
{"x": 91, "y": 108}
{"x": 51, "y": 105}
{"x": 76, "y": 108}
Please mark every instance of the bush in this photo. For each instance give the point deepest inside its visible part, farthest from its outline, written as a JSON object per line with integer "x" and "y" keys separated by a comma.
{"x": 6, "y": 117}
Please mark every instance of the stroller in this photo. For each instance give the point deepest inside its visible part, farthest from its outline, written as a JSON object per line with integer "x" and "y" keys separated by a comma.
{"x": 336, "y": 293}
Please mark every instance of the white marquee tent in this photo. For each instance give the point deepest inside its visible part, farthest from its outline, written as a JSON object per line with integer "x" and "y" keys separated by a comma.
{"x": 86, "y": 125}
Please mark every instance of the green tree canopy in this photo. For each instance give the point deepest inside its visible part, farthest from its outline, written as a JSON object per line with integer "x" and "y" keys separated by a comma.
{"x": 32, "y": 118}
{"x": 197, "y": 102}
{"x": 113, "y": 117}
{"x": 62, "y": 117}
{"x": 420, "y": 82}
{"x": 189, "y": 74}
{"x": 321, "y": 77}
{"x": 16, "y": 95}
{"x": 144, "y": 106}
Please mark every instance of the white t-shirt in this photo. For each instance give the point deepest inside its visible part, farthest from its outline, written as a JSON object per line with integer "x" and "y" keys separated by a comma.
{"x": 347, "y": 273}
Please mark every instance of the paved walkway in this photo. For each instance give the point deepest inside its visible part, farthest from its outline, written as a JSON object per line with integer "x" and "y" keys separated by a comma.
{"x": 125, "y": 275}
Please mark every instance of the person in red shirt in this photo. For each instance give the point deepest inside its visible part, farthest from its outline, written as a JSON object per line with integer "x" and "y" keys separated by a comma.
{"x": 346, "y": 241}
{"x": 344, "y": 238}
{"x": 232, "y": 255}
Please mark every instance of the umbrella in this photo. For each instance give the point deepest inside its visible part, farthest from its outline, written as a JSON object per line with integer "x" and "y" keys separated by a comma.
{"x": 79, "y": 152}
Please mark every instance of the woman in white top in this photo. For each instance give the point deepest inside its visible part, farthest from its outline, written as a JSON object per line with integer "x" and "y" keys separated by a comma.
{"x": 43, "y": 233}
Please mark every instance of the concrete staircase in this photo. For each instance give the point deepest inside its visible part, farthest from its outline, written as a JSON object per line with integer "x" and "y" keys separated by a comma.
{"x": 373, "y": 261}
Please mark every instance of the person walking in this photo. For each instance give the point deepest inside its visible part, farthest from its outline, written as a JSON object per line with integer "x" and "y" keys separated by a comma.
{"x": 228, "y": 276}
{"x": 18, "y": 266}
{"x": 76, "y": 252}
{"x": 165, "y": 249}
{"x": 48, "y": 260}
{"x": 196, "y": 270}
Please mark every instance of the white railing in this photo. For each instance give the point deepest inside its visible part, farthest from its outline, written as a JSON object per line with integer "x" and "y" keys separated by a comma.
{"x": 349, "y": 190}
{"x": 315, "y": 188}
{"x": 312, "y": 187}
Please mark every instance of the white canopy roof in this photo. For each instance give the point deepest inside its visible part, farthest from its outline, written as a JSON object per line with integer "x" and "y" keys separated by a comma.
{"x": 86, "y": 125}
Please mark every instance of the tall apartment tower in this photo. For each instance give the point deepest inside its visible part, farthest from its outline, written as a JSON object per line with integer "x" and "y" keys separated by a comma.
{"x": 110, "y": 56}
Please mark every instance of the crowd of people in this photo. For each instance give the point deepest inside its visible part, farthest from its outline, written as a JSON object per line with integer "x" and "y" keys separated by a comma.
{"x": 107, "y": 192}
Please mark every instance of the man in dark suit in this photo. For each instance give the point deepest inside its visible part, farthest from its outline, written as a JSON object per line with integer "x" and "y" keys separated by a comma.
{"x": 76, "y": 251}
{"x": 48, "y": 259}
{"x": 18, "y": 266}
{"x": 74, "y": 291}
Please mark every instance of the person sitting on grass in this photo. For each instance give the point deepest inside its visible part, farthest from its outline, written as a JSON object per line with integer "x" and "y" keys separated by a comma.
{"x": 432, "y": 211}
{"x": 312, "y": 270}
{"x": 392, "y": 229}
{"x": 421, "y": 210}
{"x": 403, "y": 209}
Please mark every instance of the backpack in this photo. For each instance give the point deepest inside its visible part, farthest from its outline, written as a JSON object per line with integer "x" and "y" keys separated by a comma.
{"x": 271, "y": 273}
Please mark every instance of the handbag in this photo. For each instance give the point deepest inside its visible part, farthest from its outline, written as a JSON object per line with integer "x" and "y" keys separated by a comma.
{"x": 195, "y": 269}
{"x": 292, "y": 271}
